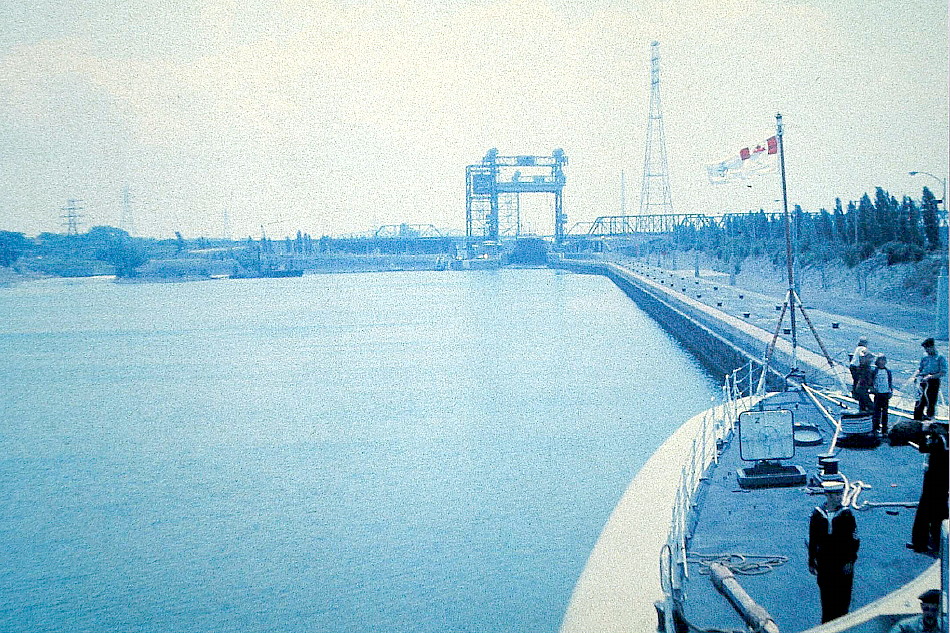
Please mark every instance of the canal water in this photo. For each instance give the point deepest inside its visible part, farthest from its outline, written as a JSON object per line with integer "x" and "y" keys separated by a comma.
{"x": 393, "y": 452}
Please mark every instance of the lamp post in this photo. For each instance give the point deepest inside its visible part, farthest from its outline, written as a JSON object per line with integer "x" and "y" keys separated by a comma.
{"x": 940, "y": 318}
{"x": 942, "y": 181}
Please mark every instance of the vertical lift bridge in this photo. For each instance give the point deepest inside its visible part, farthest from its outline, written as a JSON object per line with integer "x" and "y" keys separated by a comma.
{"x": 510, "y": 176}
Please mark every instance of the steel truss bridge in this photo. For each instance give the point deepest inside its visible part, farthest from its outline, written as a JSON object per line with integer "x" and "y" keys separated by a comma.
{"x": 626, "y": 225}
{"x": 611, "y": 225}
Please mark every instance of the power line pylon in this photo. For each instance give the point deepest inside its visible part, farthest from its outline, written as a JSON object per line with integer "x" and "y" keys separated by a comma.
{"x": 655, "y": 196}
{"x": 71, "y": 216}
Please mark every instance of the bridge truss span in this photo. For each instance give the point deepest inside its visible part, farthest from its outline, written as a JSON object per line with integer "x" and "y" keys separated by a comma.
{"x": 611, "y": 225}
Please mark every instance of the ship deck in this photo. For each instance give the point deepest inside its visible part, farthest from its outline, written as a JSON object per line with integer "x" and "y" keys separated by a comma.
{"x": 774, "y": 522}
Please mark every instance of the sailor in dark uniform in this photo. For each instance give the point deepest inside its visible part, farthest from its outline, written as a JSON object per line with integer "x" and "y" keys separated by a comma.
{"x": 832, "y": 551}
{"x": 932, "y": 507}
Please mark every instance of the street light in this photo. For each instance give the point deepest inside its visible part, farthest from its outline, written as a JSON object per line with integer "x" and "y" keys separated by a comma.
{"x": 940, "y": 317}
{"x": 942, "y": 181}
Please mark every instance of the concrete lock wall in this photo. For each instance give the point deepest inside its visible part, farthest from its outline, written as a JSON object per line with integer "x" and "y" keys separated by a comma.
{"x": 722, "y": 343}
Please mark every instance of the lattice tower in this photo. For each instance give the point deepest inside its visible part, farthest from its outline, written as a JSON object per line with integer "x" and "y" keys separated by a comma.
{"x": 655, "y": 196}
{"x": 71, "y": 217}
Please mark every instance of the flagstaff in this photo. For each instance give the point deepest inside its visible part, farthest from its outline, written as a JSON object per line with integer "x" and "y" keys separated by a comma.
{"x": 721, "y": 173}
{"x": 789, "y": 255}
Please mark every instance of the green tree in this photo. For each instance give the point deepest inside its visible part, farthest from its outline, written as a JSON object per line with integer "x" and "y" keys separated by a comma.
{"x": 867, "y": 226}
{"x": 824, "y": 226}
{"x": 909, "y": 227}
{"x": 928, "y": 212}
{"x": 885, "y": 216}
{"x": 12, "y": 245}
{"x": 118, "y": 248}
{"x": 840, "y": 222}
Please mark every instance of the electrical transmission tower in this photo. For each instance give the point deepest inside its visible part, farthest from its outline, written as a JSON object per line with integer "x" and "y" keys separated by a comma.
{"x": 655, "y": 194}
{"x": 71, "y": 216}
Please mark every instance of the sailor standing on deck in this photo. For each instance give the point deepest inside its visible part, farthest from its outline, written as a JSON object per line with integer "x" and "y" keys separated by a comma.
{"x": 882, "y": 383}
{"x": 932, "y": 368}
{"x": 859, "y": 352}
{"x": 832, "y": 551}
{"x": 932, "y": 507}
{"x": 860, "y": 367}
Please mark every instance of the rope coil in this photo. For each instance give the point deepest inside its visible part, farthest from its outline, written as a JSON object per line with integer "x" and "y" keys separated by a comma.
{"x": 738, "y": 563}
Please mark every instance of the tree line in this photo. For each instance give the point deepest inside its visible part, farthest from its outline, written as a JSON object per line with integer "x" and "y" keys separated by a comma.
{"x": 903, "y": 230}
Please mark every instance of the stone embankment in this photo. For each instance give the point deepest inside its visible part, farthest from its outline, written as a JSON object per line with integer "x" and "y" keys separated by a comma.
{"x": 726, "y": 326}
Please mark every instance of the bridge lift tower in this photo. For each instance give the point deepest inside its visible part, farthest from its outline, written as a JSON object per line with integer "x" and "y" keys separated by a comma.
{"x": 492, "y": 188}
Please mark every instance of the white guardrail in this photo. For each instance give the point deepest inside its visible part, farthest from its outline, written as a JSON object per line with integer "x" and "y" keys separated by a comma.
{"x": 717, "y": 423}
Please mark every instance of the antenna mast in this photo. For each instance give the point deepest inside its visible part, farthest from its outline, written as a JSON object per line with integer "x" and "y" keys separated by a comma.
{"x": 792, "y": 300}
{"x": 655, "y": 196}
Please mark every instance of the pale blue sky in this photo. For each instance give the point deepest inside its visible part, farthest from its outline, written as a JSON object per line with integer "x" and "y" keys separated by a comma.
{"x": 336, "y": 117}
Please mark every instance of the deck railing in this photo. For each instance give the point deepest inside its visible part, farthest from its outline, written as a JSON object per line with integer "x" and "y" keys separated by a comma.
{"x": 715, "y": 426}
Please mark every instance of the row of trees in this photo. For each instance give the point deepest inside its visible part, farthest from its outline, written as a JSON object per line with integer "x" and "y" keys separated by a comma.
{"x": 904, "y": 230}
{"x": 101, "y": 250}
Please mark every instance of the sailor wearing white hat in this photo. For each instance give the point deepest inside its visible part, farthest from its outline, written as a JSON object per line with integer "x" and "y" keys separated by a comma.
{"x": 832, "y": 551}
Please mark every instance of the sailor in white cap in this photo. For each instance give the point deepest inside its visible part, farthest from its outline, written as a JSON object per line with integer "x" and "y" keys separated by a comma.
{"x": 832, "y": 551}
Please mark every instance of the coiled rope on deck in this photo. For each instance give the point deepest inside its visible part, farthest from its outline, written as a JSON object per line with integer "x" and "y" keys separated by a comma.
{"x": 738, "y": 563}
{"x": 851, "y": 491}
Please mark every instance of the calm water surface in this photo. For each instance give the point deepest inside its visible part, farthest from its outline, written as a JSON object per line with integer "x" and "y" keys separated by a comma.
{"x": 409, "y": 452}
